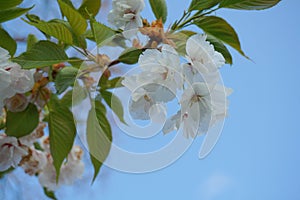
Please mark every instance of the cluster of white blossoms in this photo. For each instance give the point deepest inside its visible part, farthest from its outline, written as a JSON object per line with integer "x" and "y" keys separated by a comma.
{"x": 21, "y": 152}
{"x": 126, "y": 15}
{"x": 13, "y": 79}
{"x": 203, "y": 101}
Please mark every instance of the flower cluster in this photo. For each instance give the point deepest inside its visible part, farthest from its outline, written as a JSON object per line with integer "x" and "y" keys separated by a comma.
{"x": 13, "y": 80}
{"x": 21, "y": 152}
{"x": 203, "y": 101}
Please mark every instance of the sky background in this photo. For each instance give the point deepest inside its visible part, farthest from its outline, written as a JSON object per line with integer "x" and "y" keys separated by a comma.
{"x": 257, "y": 156}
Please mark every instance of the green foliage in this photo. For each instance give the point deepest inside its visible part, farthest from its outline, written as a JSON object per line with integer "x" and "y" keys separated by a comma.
{"x": 248, "y": 4}
{"x": 19, "y": 124}
{"x": 65, "y": 78}
{"x": 89, "y": 7}
{"x": 62, "y": 132}
{"x": 130, "y": 56}
{"x": 159, "y": 8}
{"x": 49, "y": 193}
{"x": 76, "y": 20}
{"x": 31, "y": 41}
{"x": 5, "y": 4}
{"x": 43, "y": 53}
{"x": 7, "y": 42}
{"x": 12, "y": 13}
{"x": 55, "y": 29}
{"x": 99, "y": 135}
{"x": 221, "y": 30}
{"x": 101, "y": 33}
{"x": 203, "y": 5}
{"x": 74, "y": 97}
{"x": 114, "y": 103}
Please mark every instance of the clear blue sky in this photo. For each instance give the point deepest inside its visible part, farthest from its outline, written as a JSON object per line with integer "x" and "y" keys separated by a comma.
{"x": 257, "y": 156}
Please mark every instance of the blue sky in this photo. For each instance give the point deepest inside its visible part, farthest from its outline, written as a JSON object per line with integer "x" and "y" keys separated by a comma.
{"x": 257, "y": 154}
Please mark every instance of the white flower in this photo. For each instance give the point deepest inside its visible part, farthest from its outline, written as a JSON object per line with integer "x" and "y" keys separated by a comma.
{"x": 162, "y": 67}
{"x": 126, "y": 15}
{"x": 202, "y": 105}
{"x": 28, "y": 140}
{"x": 203, "y": 58}
{"x": 10, "y": 152}
{"x": 13, "y": 79}
{"x": 69, "y": 172}
{"x": 34, "y": 162}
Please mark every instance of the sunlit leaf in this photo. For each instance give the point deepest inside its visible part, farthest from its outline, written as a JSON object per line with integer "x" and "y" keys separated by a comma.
{"x": 130, "y": 55}
{"x": 62, "y": 132}
{"x": 43, "y": 53}
{"x": 65, "y": 78}
{"x": 248, "y": 4}
{"x": 203, "y": 4}
{"x": 159, "y": 8}
{"x": 5, "y": 4}
{"x": 76, "y": 20}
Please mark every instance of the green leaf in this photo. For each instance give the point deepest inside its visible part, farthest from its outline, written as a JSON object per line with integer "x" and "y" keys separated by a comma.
{"x": 99, "y": 136}
{"x": 4, "y": 4}
{"x": 49, "y": 193}
{"x": 12, "y": 13}
{"x": 159, "y": 8}
{"x": 92, "y": 6}
{"x": 203, "y": 4}
{"x": 62, "y": 132}
{"x": 7, "y": 42}
{"x": 104, "y": 83}
{"x": 43, "y": 53}
{"x": 101, "y": 33}
{"x": 65, "y": 78}
{"x": 19, "y": 124}
{"x": 74, "y": 97}
{"x": 180, "y": 39}
{"x": 31, "y": 41}
{"x": 221, "y": 48}
{"x": 114, "y": 103}
{"x": 130, "y": 55}
{"x": 76, "y": 20}
{"x": 221, "y": 30}
{"x": 248, "y": 4}
{"x": 57, "y": 30}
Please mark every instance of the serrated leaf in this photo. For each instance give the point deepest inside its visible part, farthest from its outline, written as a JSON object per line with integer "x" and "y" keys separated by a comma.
{"x": 114, "y": 103}
{"x": 4, "y": 4}
{"x": 130, "y": 55}
{"x": 159, "y": 8}
{"x": 76, "y": 20}
{"x": 221, "y": 48}
{"x": 7, "y": 42}
{"x": 19, "y": 124}
{"x": 43, "y": 53}
{"x": 65, "y": 78}
{"x": 221, "y": 30}
{"x": 12, "y": 13}
{"x": 203, "y": 4}
{"x": 101, "y": 33}
{"x": 62, "y": 132}
{"x": 99, "y": 136}
{"x": 54, "y": 29}
{"x": 92, "y": 6}
{"x": 31, "y": 41}
{"x": 248, "y": 4}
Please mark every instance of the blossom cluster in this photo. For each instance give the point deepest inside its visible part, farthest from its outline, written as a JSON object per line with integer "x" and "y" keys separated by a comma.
{"x": 204, "y": 99}
{"x": 21, "y": 152}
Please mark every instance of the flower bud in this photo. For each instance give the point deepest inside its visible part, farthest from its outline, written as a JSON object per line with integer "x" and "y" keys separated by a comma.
{"x": 17, "y": 103}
